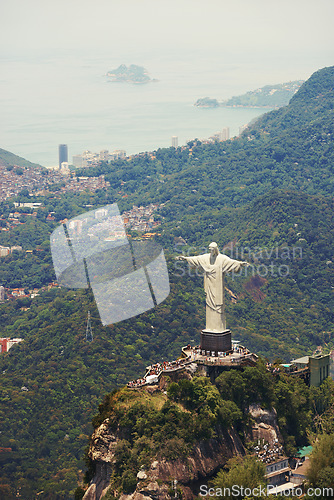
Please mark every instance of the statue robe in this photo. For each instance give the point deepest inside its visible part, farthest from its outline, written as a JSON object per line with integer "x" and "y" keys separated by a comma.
{"x": 214, "y": 269}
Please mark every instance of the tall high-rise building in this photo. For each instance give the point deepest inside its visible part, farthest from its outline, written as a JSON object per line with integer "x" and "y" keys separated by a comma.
{"x": 225, "y": 134}
{"x": 175, "y": 141}
{"x": 63, "y": 154}
{"x": 77, "y": 161}
{"x": 2, "y": 294}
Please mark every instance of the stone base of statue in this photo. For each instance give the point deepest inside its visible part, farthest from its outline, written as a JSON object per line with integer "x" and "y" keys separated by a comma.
{"x": 214, "y": 343}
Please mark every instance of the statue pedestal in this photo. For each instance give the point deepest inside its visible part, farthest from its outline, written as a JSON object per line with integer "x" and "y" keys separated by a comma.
{"x": 216, "y": 342}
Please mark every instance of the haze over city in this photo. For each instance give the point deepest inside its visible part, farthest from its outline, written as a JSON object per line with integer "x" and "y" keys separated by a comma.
{"x": 54, "y": 57}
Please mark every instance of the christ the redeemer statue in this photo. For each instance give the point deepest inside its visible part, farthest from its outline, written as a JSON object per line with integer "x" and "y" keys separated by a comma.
{"x": 214, "y": 265}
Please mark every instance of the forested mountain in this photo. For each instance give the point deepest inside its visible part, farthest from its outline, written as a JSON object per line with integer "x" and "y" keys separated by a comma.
{"x": 270, "y": 96}
{"x": 9, "y": 159}
{"x": 268, "y": 194}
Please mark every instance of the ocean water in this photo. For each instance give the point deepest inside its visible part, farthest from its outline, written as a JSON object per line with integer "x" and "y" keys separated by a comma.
{"x": 52, "y": 99}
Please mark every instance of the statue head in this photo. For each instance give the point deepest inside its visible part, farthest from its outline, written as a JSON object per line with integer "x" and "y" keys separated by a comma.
{"x": 213, "y": 248}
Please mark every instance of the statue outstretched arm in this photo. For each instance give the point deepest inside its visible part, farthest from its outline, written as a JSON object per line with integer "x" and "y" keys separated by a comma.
{"x": 195, "y": 261}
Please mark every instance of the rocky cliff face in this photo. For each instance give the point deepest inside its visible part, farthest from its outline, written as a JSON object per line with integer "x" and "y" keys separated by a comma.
{"x": 162, "y": 478}
{"x": 155, "y": 482}
{"x": 264, "y": 426}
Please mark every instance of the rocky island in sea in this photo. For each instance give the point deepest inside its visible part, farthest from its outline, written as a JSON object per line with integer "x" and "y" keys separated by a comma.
{"x": 206, "y": 102}
{"x": 130, "y": 74}
{"x": 269, "y": 96}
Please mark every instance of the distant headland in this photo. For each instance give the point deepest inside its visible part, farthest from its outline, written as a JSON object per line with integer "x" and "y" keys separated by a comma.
{"x": 270, "y": 96}
{"x": 207, "y": 102}
{"x": 130, "y": 74}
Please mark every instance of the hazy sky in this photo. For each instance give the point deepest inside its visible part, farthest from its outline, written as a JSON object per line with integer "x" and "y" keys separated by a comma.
{"x": 54, "y": 55}
{"x": 297, "y": 32}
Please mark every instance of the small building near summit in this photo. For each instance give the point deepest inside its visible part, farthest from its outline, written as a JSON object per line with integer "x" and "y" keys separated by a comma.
{"x": 6, "y": 343}
{"x": 314, "y": 369}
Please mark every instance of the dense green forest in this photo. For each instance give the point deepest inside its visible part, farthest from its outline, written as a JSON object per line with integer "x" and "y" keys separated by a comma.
{"x": 268, "y": 194}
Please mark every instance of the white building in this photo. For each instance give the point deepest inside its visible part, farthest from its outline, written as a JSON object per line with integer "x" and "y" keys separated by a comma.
{"x": 77, "y": 161}
{"x": 64, "y": 168}
{"x": 4, "y": 251}
{"x": 89, "y": 159}
{"x": 225, "y": 134}
{"x": 6, "y": 343}
{"x": 118, "y": 154}
{"x": 104, "y": 155}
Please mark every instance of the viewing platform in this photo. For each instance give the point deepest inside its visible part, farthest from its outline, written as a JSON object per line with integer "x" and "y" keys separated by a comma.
{"x": 238, "y": 356}
{"x": 192, "y": 359}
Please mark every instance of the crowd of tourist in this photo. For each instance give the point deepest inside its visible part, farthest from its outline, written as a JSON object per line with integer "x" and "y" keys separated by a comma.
{"x": 157, "y": 369}
{"x": 268, "y": 453}
{"x": 134, "y": 384}
{"x": 272, "y": 368}
{"x": 241, "y": 350}
{"x": 193, "y": 354}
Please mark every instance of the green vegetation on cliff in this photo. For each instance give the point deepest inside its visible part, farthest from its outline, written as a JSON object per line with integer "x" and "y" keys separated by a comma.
{"x": 244, "y": 472}
{"x": 321, "y": 471}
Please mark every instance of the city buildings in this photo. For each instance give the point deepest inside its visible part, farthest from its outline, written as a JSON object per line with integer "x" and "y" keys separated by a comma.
{"x": 141, "y": 218}
{"x": 221, "y": 136}
{"x": 4, "y": 251}
{"x": 37, "y": 181}
{"x": 89, "y": 159}
{"x": 175, "y": 141}
{"x": 31, "y": 179}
